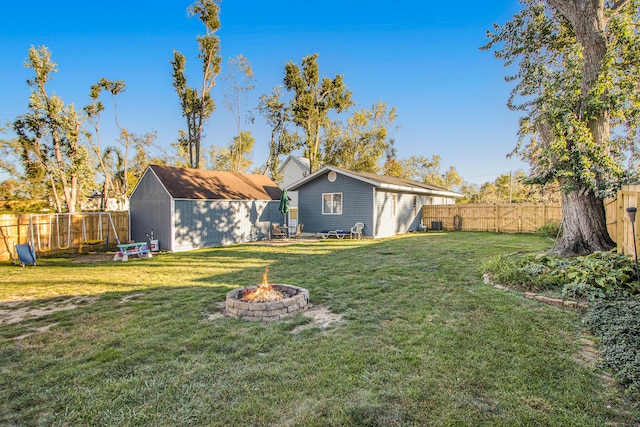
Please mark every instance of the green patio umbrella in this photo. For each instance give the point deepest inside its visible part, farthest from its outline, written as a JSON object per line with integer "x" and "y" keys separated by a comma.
{"x": 284, "y": 205}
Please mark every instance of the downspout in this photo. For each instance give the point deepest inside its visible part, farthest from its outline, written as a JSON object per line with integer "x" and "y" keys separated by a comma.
{"x": 374, "y": 215}
{"x": 172, "y": 224}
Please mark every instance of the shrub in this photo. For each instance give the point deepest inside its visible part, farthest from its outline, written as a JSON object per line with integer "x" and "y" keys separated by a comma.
{"x": 530, "y": 272}
{"x": 587, "y": 277}
{"x": 616, "y": 325}
{"x": 550, "y": 229}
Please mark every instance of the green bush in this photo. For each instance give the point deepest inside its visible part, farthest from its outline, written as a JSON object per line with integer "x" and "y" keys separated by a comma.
{"x": 550, "y": 229}
{"x": 616, "y": 325}
{"x": 588, "y": 277}
{"x": 531, "y": 272}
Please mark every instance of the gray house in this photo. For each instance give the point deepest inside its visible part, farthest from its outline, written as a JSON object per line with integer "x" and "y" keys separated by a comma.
{"x": 193, "y": 208}
{"x": 293, "y": 169}
{"x": 334, "y": 198}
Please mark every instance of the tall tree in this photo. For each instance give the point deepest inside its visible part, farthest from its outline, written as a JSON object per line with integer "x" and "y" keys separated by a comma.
{"x": 362, "y": 143}
{"x": 578, "y": 71}
{"x": 422, "y": 169}
{"x": 278, "y": 115}
{"x": 240, "y": 81}
{"x": 49, "y": 135}
{"x": 235, "y": 157}
{"x": 312, "y": 101}
{"x": 112, "y": 170}
{"x": 197, "y": 104}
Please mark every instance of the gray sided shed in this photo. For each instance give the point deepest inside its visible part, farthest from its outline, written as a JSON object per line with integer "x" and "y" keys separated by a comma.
{"x": 387, "y": 206}
{"x": 193, "y": 208}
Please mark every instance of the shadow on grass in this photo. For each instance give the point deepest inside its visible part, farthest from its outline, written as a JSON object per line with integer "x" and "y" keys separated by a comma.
{"x": 424, "y": 343}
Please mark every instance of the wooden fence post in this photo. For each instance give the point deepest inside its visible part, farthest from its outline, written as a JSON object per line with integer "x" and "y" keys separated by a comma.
{"x": 620, "y": 214}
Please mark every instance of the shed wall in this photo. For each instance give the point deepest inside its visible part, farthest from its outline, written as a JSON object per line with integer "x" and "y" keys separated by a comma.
{"x": 208, "y": 223}
{"x": 357, "y": 204}
{"x": 150, "y": 209}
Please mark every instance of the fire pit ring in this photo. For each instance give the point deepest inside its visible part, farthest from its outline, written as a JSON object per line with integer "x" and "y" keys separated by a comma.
{"x": 295, "y": 300}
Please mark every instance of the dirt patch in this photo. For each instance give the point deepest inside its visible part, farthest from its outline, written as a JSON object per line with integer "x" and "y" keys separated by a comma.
{"x": 130, "y": 297}
{"x": 321, "y": 317}
{"x": 93, "y": 257}
{"x": 10, "y": 313}
{"x": 35, "y": 331}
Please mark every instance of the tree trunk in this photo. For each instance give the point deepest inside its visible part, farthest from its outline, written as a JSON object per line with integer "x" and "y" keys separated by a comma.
{"x": 584, "y": 218}
{"x": 584, "y": 225}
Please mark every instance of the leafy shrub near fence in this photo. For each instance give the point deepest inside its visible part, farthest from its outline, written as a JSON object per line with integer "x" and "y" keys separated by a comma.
{"x": 550, "y": 229}
{"x": 587, "y": 277}
{"x": 21, "y": 206}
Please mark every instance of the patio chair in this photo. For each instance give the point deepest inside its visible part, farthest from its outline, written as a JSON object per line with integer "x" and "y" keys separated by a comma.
{"x": 356, "y": 230}
{"x": 26, "y": 254}
{"x": 278, "y": 231}
{"x": 298, "y": 232}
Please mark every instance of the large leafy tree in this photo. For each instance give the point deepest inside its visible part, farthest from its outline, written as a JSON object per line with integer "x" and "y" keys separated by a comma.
{"x": 240, "y": 81}
{"x": 235, "y": 157}
{"x": 361, "y": 144}
{"x": 423, "y": 169}
{"x": 509, "y": 188}
{"x": 277, "y": 114}
{"x": 110, "y": 169}
{"x": 197, "y": 104}
{"x": 578, "y": 67}
{"x": 49, "y": 136}
{"x": 312, "y": 102}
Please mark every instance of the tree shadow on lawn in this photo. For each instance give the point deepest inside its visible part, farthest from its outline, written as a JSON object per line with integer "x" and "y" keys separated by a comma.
{"x": 407, "y": 305}
{"x": 324, "y": 267}
{"x": 329, "y": 269}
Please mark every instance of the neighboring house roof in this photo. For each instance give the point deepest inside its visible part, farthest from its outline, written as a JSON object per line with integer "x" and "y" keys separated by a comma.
{"x": 302, "y": 162}
{"x": 188, "y": 183}
{"x": 380, "y": 181}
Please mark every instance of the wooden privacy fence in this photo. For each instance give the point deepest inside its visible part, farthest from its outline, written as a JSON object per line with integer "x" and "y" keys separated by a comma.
{"x": 501, "y": 218}
{"x": 53, "y": 234}
{"x": 618, "y": 223}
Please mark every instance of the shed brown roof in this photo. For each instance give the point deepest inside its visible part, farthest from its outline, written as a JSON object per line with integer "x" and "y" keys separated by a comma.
{"x": 187, "y": 183}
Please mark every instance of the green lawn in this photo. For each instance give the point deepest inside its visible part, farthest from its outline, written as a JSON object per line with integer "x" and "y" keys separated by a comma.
{"x": 422, "y": 341}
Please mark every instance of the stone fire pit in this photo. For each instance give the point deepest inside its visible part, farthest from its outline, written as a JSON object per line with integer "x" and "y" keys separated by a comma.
{"x": 294, "y": 299}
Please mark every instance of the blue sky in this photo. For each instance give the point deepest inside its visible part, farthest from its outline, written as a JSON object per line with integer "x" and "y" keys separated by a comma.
{"x": 421, "y": 57}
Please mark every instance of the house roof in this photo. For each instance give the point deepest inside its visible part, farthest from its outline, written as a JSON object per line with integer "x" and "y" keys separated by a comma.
{"x": 303, "y": 163}
{"x": 200, "y": 184}
{"x": 380, "y": 181}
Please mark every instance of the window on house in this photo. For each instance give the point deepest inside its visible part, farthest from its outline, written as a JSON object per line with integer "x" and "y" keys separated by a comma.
{"x": 415, "y": 205}
{"x": 332, "y": 204}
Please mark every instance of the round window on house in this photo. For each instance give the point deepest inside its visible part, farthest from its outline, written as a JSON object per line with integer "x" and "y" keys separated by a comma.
{"x": 332, "y": 176}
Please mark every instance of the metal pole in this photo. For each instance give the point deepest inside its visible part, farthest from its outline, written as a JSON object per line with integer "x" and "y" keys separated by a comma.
{"x": 631, "y": 212}
{"x": 635, "y": 250}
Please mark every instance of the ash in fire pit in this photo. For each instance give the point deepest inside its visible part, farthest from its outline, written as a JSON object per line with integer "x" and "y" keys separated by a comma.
{"x": 266, "y": 302}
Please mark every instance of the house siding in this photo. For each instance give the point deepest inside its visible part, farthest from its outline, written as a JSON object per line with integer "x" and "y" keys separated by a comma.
{"x": 357, "y": 204}
{"x": 150, "y": 209}
{"x": 407, "y": 216}
{"x": 205, "y": 223}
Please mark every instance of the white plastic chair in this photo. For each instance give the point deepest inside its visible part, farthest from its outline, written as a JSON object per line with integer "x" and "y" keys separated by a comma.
{"x": 298, "y": 232}
{"x": 356, "y": 230}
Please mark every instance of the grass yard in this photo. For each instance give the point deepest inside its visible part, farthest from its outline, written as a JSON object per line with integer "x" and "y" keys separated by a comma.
{"x": 420, "y": 341}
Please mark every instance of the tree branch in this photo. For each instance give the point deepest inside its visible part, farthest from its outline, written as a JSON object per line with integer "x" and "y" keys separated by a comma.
{"x": 619, "y": 5}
